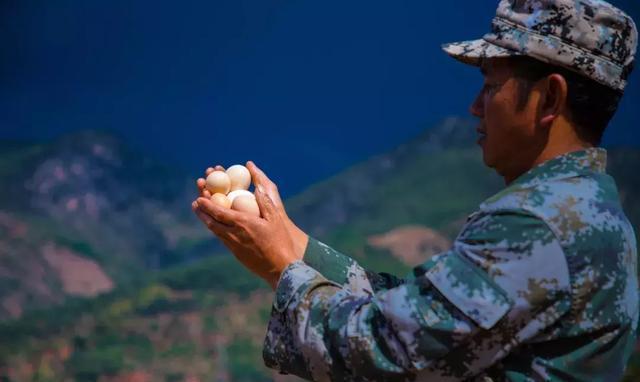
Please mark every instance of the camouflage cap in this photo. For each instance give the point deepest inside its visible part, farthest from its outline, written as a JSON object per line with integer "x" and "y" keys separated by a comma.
{"x": 590, "y": 37}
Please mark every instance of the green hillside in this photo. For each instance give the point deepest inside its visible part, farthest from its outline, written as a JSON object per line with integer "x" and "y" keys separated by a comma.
{"x": 205, "y": 321}
{"x": 84, "y": 213}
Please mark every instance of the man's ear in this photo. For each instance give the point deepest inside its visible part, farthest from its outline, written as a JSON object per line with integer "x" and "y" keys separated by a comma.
{"x": 554, "y": 92}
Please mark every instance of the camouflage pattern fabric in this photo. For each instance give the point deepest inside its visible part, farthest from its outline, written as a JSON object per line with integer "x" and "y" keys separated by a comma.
{"x": 540, "y": 285}
{"x": 590, "y": 37}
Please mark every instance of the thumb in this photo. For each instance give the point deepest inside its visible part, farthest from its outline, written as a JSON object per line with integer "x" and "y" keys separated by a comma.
{"x": 261, "y": 179}
{"x": 267, "y": 207}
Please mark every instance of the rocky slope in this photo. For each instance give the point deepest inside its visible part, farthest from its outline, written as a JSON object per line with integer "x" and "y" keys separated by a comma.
{"x": 83, "y": 213}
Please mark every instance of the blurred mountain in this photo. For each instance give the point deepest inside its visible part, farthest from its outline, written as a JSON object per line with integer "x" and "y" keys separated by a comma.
{"x": 402, "y": 186}
{"x": 205, "y": 320}
{"x": 84, "y": 213}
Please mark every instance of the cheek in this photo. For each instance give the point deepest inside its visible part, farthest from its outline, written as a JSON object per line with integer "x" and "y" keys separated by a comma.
{"x": 497, "y": 119}
{"x": 504, "y": 122}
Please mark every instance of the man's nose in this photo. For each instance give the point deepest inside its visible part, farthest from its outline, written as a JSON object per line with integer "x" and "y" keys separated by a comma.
{"x": 477, "y": 107}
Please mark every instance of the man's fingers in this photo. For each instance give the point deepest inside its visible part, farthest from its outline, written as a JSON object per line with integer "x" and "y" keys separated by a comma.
{"x": 226, "y": 216}
{"x": 202, "y": 190}
{"x": 200, "y": 184}
{"x": 212, "y": 169}
{"x": 267, "y": 207}
{"x": 206, "y": 219}
{"x": 261, "y": 179}
{"x": 221, "y": 230}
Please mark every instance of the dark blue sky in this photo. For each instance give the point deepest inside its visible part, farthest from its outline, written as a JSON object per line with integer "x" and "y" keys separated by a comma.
{"x": 304, "y": 88}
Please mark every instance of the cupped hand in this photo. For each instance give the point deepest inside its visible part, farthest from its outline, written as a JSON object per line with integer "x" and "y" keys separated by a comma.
{"x": 265, "y": 245}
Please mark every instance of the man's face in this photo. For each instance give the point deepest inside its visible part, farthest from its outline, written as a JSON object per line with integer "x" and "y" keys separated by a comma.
{"x": 508, "y": 134}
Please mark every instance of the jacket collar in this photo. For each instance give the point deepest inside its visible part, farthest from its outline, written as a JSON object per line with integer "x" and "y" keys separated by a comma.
{"x": 571, "y": 164}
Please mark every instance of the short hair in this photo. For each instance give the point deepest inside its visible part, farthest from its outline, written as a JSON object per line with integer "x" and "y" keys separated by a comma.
{"x": 590, "y": 104}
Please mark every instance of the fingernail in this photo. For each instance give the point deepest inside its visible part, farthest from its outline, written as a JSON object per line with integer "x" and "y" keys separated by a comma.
{"x": 260, "y": 189}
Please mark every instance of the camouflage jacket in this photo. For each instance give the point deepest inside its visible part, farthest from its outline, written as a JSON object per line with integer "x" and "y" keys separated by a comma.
{"x": 540, "y": 284}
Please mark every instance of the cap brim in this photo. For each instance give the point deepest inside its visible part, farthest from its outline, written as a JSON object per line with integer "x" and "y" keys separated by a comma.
{"x": 473, "y": 51}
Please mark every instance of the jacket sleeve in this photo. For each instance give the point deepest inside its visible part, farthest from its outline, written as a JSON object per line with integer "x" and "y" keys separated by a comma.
{"x": 503, "y": 282}
{"x": 345, "y": 271}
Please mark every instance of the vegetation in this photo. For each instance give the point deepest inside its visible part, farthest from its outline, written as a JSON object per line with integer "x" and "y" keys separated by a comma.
{"x": 206, "y": 319}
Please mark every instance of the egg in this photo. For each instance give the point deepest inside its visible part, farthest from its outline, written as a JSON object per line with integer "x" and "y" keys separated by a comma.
{"x": 218, "y": 182}
{"x": 240, "y": 177}
{"x": 234, "y": 194}
{"x": 247, "y": 204}
{"x": 221, "y": 200}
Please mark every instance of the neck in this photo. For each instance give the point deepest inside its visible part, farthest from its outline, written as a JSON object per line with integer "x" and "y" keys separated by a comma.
{"x": 562, "y": 139}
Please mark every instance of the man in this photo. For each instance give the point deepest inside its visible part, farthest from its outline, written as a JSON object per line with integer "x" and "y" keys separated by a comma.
{"x": 541, "y": 282}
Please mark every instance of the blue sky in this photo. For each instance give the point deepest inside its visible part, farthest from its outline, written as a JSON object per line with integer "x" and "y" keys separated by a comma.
{"x": 304, "y": 88}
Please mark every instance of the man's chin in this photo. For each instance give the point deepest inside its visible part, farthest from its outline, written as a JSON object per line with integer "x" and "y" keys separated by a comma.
{"x": 488, "y": 159}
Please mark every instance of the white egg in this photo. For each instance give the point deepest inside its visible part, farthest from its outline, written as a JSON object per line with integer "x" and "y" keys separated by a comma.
{"x": 245, "y": 203}
{"x": 221, "y": 200}
{"x": 218, "y": 182}
{"x": 234, "y": 194}
{"x": 240, "y": 177}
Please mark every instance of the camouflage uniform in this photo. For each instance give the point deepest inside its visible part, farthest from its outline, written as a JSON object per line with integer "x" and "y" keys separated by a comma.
{"x": 541, "y": 282}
